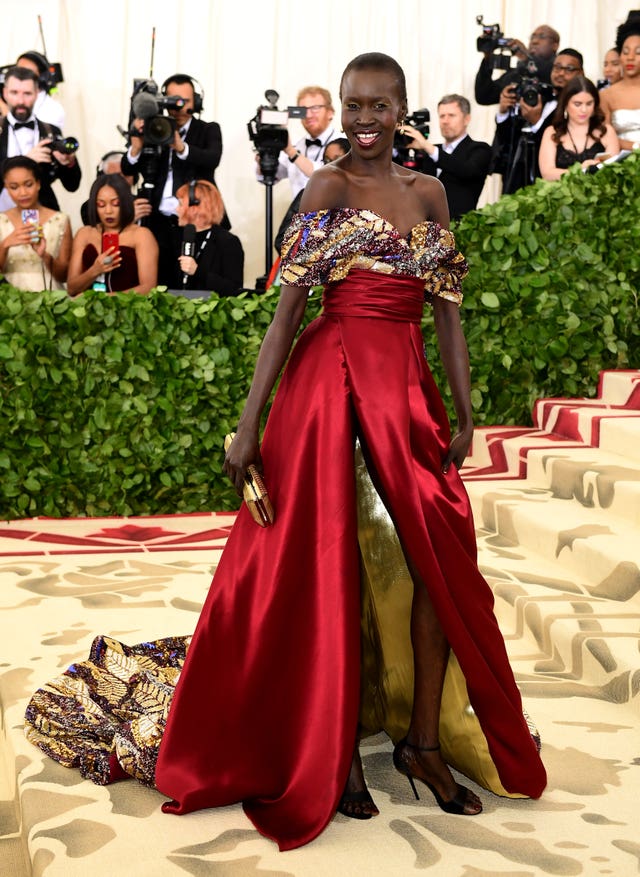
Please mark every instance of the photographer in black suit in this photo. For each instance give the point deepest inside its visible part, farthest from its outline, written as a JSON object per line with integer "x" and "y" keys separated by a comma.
{"x": 543, "y": 45}
{"x": 460, "y": 163}
{"x": 21, "y": 133}
{"x": 193, "y": 154}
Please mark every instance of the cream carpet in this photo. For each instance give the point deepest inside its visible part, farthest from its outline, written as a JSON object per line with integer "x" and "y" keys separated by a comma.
{"x": 557, "y": 510}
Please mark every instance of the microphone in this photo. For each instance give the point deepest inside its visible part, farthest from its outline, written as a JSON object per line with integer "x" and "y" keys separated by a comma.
{"x": 188, "y": 245}
{"x": 144, "y": 106}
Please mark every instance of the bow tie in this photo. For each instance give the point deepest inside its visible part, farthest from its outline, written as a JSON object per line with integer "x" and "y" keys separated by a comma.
{"x": 311, "y": 142}
{"x": 19, "y": 125}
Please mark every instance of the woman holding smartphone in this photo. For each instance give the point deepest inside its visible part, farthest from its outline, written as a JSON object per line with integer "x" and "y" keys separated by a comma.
{"x": 35, "y": 242}
{"x": 112, "y": 253}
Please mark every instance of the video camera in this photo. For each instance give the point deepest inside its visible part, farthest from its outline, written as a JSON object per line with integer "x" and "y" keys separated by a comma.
{"x": 403, "y": 153}
{"x": 268, "y": 133}
{"x": 492, "y": 40}
{"x": 159, "y": 129}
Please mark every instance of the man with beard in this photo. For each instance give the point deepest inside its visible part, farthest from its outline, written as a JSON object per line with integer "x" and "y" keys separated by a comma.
{"x": 21, "y": 133}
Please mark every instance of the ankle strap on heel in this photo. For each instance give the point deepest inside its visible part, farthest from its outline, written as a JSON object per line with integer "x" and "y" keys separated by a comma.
{"x": 405, "y": 742}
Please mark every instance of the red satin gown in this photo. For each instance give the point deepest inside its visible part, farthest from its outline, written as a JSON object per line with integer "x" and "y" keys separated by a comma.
{"x": 266, "y": 708}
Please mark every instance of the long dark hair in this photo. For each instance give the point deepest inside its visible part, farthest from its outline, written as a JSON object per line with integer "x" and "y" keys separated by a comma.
{"x": 122, "y": 190}
{"x": 597, "y": 127}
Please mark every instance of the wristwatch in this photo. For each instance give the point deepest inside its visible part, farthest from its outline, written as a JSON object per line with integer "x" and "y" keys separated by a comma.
{"x": 295, "y": 156}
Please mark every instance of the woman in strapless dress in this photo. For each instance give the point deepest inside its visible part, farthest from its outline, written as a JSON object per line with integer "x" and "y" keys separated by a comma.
{"x": 621, "y": 102}
{"x": 126, "y": 262}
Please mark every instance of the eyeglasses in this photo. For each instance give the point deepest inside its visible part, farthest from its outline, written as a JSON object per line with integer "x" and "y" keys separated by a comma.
{"x": 566, "y": 68}
{"x": 316, "y": 108}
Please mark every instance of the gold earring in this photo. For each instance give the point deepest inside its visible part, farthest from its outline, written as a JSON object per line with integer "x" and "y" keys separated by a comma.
{"x": 402, "y": 127}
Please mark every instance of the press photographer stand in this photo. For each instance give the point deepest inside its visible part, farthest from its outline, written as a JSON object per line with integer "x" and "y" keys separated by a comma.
{"x": 525, "y": 159}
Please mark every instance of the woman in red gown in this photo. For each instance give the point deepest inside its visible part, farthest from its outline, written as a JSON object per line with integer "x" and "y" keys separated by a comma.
{"x": 266, "y": 709}
{"x": 270, "y": 700}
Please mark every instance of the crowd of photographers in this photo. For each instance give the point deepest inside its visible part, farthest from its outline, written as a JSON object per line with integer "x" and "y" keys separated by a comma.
{"x": 172, "y": 155}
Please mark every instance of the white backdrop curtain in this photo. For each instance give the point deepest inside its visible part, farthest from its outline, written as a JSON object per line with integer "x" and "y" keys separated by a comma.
{"x": 239, "y": 49}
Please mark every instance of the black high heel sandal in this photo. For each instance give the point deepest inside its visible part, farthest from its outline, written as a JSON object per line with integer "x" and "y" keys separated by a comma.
{"x": 403, "y": 761}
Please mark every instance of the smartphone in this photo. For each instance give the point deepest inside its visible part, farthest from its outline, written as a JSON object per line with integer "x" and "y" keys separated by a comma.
{"x": 32, "y": 215}
{"x": 110, "y": 239}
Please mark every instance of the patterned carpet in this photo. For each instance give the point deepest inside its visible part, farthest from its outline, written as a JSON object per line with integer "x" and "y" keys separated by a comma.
{"x": 556, "y": 509}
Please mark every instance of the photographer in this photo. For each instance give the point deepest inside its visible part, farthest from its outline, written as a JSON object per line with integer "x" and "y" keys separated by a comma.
{"x": 525, "y": 112}
{"x": 300, "y": 159}
{"x": 194, "y": 152}
{"x": 543, "y": 45}
{"x": 460, "y": 163}
{"x": 21, "y": 133}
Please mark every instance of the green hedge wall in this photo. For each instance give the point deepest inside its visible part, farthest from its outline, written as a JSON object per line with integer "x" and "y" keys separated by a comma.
{"x": 119, "y": 404}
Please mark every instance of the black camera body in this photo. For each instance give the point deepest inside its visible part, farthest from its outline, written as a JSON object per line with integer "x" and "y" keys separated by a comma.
{"x": 65, "y": 145}
{"x": 529, "y": 87}
{"x": 148, "y": 104}
{"x": 403, "y": 153}
{"x": 269, "y": 135}
{"x": 492, "y": 40}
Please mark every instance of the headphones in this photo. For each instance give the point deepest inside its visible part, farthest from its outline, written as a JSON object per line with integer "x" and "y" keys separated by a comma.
{"x": 47, "y": 79}
{"x": 193, "y": 198}
{"x": 198, "y": 90}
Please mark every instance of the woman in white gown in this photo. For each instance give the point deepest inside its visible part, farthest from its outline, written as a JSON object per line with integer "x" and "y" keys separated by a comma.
{"x": 621, "y": 102}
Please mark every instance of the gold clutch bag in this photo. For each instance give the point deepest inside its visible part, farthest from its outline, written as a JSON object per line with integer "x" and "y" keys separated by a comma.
{"x": 255, "y": 493}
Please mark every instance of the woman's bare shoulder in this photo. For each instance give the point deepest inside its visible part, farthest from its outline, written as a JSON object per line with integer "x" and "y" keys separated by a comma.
{"x": 433, "y": 198}
{"x": 326, "y": 189}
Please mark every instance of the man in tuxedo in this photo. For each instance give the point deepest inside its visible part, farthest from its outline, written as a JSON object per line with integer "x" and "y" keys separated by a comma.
{"x": 460, "y": 163}
{"x": 299, "y": 160}
{"x": 21, "y": 133}
{"x": 193, "y": 154}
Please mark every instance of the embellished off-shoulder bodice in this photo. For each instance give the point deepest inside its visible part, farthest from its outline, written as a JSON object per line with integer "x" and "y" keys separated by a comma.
{"x": 323, "y": 246}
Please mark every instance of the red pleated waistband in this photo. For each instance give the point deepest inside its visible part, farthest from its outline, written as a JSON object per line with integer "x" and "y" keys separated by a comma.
{"x": 371, "y": 294}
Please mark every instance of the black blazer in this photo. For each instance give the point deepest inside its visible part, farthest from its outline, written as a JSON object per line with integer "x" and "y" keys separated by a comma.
{"x": 69, "y": 176}
{"x": 205, "y": 151}
{"x": 463, "y": 173}
{"x": 220, "y": 263}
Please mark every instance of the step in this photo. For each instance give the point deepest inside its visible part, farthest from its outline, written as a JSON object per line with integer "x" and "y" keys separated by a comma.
{"x": 587, "y": 544}
{"x": 577, "y": 419}
{"x": 621, "y": 437}
{"x": 510, "y": 452}
{"x": 591, "y": 477}
{"x": 620, "y": 387}
{"x": 556, "y": 631}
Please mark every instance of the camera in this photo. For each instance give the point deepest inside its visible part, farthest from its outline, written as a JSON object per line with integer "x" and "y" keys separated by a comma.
{"x": 159, "y": 129}
{"x": 529, "y": 88}
{"x": 268, "y": 133}
{"x": 403, "y": 153}
{"x": 493, "y": 40}
{"x": 65, "y": 145}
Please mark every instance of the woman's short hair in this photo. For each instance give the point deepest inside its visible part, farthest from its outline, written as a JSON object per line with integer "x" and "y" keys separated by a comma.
{"x": 380, "y": 62}
{"x": 210, "y": 208}
{"x": 23, "y": 162}
{"x": 120, "y": 186}
{"x": 573, "y": 87}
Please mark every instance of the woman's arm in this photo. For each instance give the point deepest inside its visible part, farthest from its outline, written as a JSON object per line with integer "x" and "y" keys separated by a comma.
{"x": 58, "y": 265}
{"x": 275, "y": 348}
{"x": 79, "y": 280}
{"x": 18, "y": 236}
{"x": 547, "y": 157}
{"x": 146, "y": 248}
{"x": 455, "y": 359}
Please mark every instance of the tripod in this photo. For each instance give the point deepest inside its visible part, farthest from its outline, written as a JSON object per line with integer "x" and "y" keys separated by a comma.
{"x": 524, "y": 159}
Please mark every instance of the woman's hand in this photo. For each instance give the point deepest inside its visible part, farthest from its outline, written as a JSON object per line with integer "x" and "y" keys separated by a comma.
{"x": 243, "y": 451}
{"x": 27, "y": 233}
{"x": 458, "y": 449}
{"x": 39, "y": 245}
{"x": 188, "y": 265}
{"x": 108, "y": 261}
